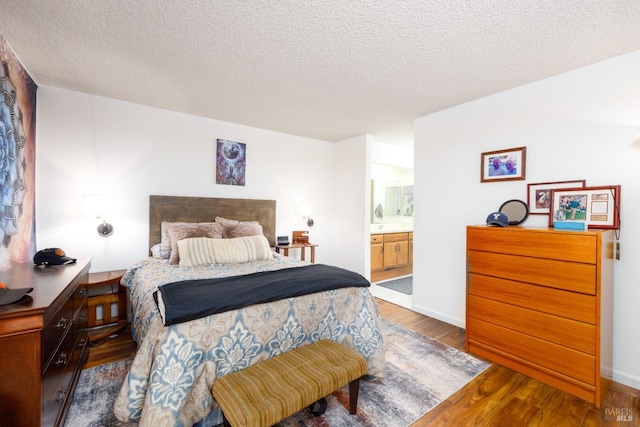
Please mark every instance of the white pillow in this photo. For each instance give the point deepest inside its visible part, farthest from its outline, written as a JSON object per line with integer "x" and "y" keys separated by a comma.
{"x": 202, "y": 250}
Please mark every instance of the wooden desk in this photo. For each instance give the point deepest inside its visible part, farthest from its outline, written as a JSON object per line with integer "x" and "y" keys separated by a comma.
{"x": 302, "y": 247}
{"x": 105, "y": 289}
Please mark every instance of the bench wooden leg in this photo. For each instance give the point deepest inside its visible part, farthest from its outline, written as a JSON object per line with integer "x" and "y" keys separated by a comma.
{"x": 354, "y": 388}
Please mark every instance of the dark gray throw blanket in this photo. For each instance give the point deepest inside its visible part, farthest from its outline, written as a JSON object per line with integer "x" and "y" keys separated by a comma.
{"x": 193, "y": 299}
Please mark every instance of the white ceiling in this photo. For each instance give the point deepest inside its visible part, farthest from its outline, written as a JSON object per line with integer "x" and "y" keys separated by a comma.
{"x": 323, "y": 69}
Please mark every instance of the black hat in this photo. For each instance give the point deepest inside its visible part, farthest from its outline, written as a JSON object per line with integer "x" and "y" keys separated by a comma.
{"x": 52, "y": 256}
{"x": 9, "y": 296}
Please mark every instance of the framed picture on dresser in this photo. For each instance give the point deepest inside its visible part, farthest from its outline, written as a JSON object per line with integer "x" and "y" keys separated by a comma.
{"x": 539, "y": 194}
{"x": 598, "y": 207}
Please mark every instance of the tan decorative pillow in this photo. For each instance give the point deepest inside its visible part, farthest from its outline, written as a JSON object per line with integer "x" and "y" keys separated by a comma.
{"x": 202, "y": 250}
{"x": 165, "y": 241}
{"x": 241, "y": 230}
{"x": 233, "y": 221}
{"x": 181, "y": 230}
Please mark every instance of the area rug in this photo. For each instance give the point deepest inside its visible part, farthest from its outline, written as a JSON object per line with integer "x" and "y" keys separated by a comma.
{"x": 404, "y": 285}
{"x": 96, "y": 392}
{"x": 420, "y": 373}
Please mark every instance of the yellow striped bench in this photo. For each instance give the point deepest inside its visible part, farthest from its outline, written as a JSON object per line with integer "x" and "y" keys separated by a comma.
{"x": 270, "y": 391}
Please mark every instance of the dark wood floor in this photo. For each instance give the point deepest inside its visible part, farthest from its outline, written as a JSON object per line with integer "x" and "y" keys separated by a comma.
{"x": 497, "y": 397}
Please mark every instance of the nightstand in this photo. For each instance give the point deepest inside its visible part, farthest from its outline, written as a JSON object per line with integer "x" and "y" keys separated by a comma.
{"x": 107, "y": 304}
{"x": 302, "y": 247}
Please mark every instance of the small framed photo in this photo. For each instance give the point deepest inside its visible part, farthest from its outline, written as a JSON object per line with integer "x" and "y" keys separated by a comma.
{"x": 598, "y": 207}
{"x": 503, "y": 165}
{"x": 539, "y": 194}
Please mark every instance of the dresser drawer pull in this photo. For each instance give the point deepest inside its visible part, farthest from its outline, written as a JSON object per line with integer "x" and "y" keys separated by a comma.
{"x": 62, "y": 393}
{"x": 62, "y": 359}
{"x": 83, "y": 291}
{"x": 62, "y": 323}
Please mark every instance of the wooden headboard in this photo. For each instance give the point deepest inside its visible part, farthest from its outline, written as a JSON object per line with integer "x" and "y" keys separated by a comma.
{"x": 206, "y": 209}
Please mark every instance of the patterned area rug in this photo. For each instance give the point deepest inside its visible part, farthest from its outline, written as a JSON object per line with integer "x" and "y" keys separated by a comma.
{"x": 95, "y": 395}
{"x": 420, "y": 373}
{"x": 404, "y": 285}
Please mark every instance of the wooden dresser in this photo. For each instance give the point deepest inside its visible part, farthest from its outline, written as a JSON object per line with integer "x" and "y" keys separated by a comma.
{"x": 43, "y": 343}
{"x": 539, "y": 301}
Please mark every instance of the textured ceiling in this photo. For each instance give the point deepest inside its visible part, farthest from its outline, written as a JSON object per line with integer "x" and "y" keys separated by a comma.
{"x": 322, "y": 69}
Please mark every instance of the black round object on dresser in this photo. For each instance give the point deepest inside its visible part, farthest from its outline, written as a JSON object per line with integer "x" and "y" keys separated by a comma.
{"x": 516, "y": 210}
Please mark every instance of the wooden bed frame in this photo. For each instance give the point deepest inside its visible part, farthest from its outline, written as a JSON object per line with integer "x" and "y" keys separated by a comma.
{"x": 206, "y": 209}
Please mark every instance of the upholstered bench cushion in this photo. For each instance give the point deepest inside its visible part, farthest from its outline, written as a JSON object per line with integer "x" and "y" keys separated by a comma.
{"x": 270, "y": 391}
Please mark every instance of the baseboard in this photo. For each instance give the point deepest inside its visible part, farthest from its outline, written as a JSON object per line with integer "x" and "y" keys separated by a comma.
{"x": 439, "y": 316}
{"x": 627, "y": 380}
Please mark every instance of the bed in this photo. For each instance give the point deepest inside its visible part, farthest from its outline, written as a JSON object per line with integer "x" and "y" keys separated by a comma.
{"x": 170, "y": 379}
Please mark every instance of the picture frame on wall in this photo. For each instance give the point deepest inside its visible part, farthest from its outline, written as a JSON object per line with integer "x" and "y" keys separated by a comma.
{"x": 539, "y": 194}
{"x": 231, "y": 162}
{"x": 598, "y": 207}
{"x": 503, "y": 165}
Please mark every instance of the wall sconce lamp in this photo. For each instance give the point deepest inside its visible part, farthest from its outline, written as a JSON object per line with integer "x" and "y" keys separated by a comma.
{"x": 309, "y": 221}
{"x": 98, "y": 204}
{"x": 304, "y": 210}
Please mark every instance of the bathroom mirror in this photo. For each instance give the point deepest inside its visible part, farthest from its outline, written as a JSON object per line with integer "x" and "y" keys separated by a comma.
{"x": 516, "y": 210}
{"x": 391, "y": 194}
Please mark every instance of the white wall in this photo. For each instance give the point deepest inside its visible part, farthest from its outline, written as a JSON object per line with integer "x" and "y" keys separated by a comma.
{"x": 391, "y": 155}
{"x": 583, "y": 124}
{"x": 352, "y": 199}
{"x": 88, "y": 144}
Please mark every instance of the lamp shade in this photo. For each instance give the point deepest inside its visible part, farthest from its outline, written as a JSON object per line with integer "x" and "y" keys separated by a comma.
{"x": 303, "y": 209}
{"x": 96, "y": 204}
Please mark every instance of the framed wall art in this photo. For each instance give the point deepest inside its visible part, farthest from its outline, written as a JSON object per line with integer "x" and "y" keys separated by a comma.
{"x": 598, "y": 207}
{"x": 539, "y": 194}
{"x": 503, "y": 165}
{"x": 231, "y": 162}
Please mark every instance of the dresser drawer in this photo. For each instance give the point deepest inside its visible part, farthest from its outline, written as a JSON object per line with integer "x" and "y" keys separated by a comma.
{"x": 567, "y": 304}
{"x": 56, "y": 380}
{"x": 53, "y": 332}
{"x": 532, "y": 243}
{"x": 80, "y": 296}
{"x": 80, "y": 337}
{"x": 533, "y": 351}
{"x": 571, "y": 276}
{"x": 559, "y": 330}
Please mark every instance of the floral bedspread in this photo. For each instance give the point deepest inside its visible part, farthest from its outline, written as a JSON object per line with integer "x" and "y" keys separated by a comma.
{"x": 170, "y": 380}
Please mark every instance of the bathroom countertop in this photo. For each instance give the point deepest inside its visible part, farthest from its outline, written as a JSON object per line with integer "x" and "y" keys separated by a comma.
{"x": 390, "y": 228}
